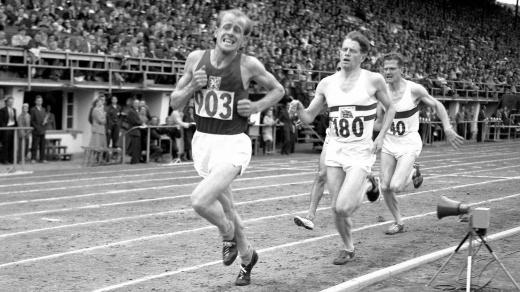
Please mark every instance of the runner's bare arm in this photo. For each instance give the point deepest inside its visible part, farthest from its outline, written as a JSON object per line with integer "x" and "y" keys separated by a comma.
{"x": 189, "y": 82}
{"x": 307, "y": 115}
{"x": 256, "y": 72}
{"x": 383, "y": 96}
{"x": 380, "y": 114}
{"x": 422, "y": 95}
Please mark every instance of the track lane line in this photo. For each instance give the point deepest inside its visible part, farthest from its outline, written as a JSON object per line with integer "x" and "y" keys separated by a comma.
{"x": 157, "y": 236}
{"x": 269, "y": 249}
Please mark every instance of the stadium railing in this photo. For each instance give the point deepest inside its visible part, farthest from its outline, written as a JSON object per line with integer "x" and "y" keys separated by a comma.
{"x": 24, "y": 61}
{"x": 147, "y": 127}
{"x": 19, "y": 60}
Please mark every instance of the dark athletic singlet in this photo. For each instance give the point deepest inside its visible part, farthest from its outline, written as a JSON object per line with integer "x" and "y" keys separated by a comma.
{"x": 216, "y": 104}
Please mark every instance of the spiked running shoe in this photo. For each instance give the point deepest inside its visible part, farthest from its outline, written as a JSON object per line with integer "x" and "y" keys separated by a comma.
{"x": 304, "y": 222}
{"x": 417, "y": 177}
{"x": 229, "y": 251}
{"x": 244, "y": 276}
{"x": 344, "y": 257}
{"x": 395, "y": 228}
{"x": 373, "y": 194}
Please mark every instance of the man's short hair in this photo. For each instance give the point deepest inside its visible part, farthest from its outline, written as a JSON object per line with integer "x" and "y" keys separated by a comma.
{"x": 364, "y": 43}
{"x": 393, "y": 56}
{"x": 238, "y": 14}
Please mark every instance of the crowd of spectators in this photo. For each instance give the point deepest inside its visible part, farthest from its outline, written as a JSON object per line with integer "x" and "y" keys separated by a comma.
{"x": 471, "y": 42}
{"x": 458, "y": 47}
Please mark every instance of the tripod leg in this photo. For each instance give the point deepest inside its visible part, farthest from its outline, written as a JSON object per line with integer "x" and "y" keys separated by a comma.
{"x": 449, "y": 258}
{"x": 470, "y": 261}
{"x": 499, "y": 262}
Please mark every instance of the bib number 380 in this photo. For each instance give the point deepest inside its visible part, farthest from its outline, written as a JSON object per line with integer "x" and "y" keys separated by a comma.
{"x": 341, "y": 127}
{"x": 215, "y": 104}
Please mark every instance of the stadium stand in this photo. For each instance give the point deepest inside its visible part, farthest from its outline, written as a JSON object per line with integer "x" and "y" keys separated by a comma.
{"x": 460, "y": 50}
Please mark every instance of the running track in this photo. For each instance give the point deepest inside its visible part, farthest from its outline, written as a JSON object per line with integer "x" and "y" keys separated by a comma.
{"x": 131, "y": 228}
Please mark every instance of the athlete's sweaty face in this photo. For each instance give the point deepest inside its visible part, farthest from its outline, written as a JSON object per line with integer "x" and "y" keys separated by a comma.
{"x": 391, "y": 70}
{"x": 350, "y": 54}
{"x": 230, "y": 33}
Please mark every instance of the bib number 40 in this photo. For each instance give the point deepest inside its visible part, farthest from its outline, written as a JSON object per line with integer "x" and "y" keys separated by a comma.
{"x": 398, "y": 128}
{"x": 342, "y": 128}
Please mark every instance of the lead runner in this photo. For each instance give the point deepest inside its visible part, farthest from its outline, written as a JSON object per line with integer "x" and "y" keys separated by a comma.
{"x": 218, "y": 79}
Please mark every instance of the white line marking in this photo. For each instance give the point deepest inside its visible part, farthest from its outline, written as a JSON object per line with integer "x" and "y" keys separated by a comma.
{"x": 51, "y": 219}
{"x": 257, "y": 165}
{"x": 151, "y": 188}
{"x": 157, "y": 236}
{"x": 480, "y": 176}
{"x": 95, "y": 206}
{"x": 361, "y": 282}
{"x": 118, "y": 182}
{"x": 143, "y": 189}
{"x": 269, "y": 249}
{"x": 190, "y": 210}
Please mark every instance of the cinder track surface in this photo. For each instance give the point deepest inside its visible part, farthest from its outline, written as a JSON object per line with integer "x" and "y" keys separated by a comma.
{"x": 131, "y": 228}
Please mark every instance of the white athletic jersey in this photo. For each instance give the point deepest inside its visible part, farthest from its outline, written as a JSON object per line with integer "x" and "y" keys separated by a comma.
{"x": 406, "y": 118}
{"x": 352, "y": 113}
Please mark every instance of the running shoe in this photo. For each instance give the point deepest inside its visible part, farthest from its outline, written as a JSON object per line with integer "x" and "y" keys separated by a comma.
{"x": 344, "y": 257}
{"x": 304, "y": 222}
{"x": 395, "y": 228}
{"x": 244, "y": 276}
{"x": 417, "y": 177}
{"x": 373, "y": 194}
{"x": 229, "y": 251}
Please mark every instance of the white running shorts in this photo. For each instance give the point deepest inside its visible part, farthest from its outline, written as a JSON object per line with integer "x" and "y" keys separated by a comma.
{"x": 398, "y": 146}
{"x": 351, "y": 154}
{"x": 210, "y": 150}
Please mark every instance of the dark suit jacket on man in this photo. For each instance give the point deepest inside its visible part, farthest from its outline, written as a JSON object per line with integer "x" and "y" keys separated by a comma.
{"x": 37, "y": 118}
{"x": 133, "y": 120}
{"x": 4, "y": 116}
{"x": 4, "y": 119}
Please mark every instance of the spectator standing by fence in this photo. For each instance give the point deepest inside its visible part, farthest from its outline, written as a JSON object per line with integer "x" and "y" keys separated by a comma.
{"x": 113, "y": 111}
{"x": 38, "y": 122}
{"x": 267, "y": 130}
{"x": 460, "y": 120}
{"x": 24, "y": 120}
{"x": 135, "y": 134}
{"x": 480, "y": 124}
{"x": 97, "y": 120}
{"x": 7, "y": 119}
{"x": 51, "y": 119}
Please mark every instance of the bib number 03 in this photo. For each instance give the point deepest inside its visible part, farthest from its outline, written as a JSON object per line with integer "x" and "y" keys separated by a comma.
{"x": 341, "y": 127}
{"x": 214, "y": 104}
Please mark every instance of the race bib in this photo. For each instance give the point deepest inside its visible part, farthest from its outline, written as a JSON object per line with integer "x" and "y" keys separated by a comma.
{"x": 398, "y": 128}
{"x": 216, "y": 104}
{"x": 344, "y": 123}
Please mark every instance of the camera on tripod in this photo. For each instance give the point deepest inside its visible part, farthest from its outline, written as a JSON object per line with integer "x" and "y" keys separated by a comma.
{"x": 478, "y": 217}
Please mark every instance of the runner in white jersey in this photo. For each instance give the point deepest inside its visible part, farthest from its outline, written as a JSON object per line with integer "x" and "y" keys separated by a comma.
{"x": 351, "y": 95}
{"x": 402, "y": 145}
{"x": 218, "y": 80}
